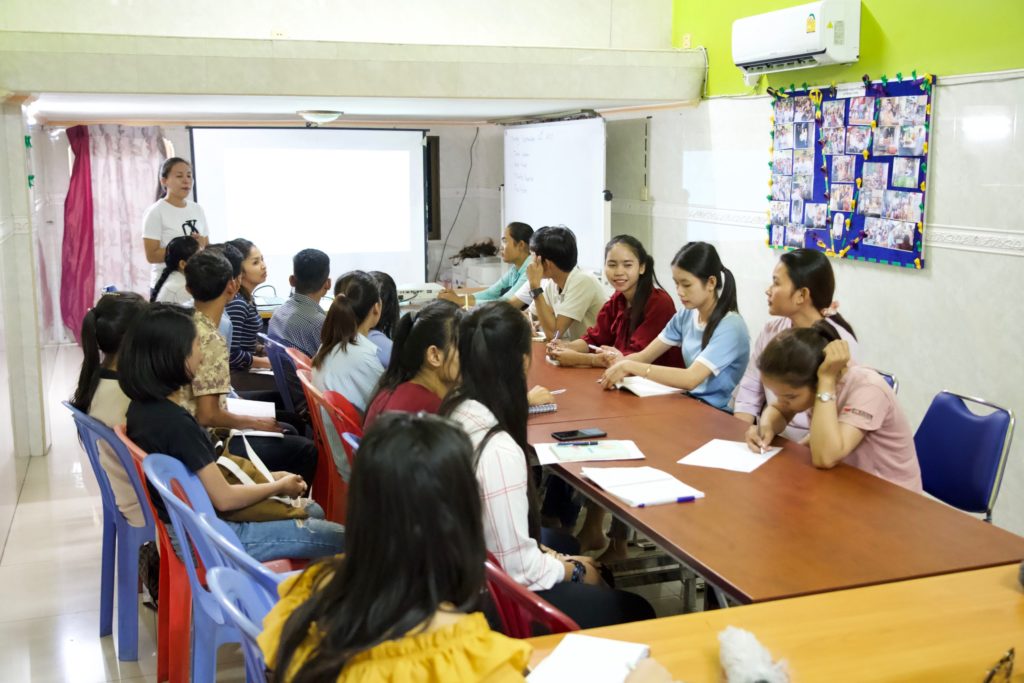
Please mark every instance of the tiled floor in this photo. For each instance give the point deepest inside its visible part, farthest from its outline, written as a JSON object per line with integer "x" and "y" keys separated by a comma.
{"x": 50, "y": 568}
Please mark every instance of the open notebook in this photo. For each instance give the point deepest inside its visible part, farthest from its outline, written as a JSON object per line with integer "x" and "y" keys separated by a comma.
{"x": 586, "y": 658}
{"x": 553, "y": 453}
{"x": 641, "y": 486}
{"x": 645, "y": 387}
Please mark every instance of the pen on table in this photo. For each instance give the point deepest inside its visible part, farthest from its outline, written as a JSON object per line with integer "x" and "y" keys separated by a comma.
{"x": 578, "y": 443}
{"x": 558, "y": 333}
{"x": 681, "y": 499}
{"x": 556, "y": 392}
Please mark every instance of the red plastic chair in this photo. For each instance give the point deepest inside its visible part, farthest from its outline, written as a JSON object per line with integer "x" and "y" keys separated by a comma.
{"x": 520, "y": 608}
{"x": 301, "y": 360}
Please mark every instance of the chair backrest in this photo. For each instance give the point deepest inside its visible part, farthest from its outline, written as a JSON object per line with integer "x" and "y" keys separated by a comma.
{"x": 301, "y": 360}
{"x": 244, "y": 606}
{"x": 963, "y": 454}
{"x": 520, "y": 608}
{"x": 890, "y": 379}
{"x": 221, "y": 536}
{"x": 330, "y": 489}
{"x": 276, "y": 352}
{"x": 92, "y": 432}
{"x": 183, "y": 495}
{"x": 351, "y": 442}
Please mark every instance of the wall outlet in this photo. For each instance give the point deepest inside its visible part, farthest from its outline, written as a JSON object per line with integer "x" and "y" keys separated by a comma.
{"x": 687, "y": 40}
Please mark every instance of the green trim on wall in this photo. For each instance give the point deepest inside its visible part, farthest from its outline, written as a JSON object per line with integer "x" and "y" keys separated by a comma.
{"x": 944, "y": 37}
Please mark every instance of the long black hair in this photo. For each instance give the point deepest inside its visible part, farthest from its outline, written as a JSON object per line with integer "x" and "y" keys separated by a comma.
{"x": 811, "y": 269}
{"x": 436, "y": 324}
{"x": 701, "y": 260}
{"x": 414, "y": 540}
{"x": 388, "y": 303}
{"x": 354, "y": 298}
{"x": 794, "y": 355}
{"x": 103, "y": 328}
{"x": 181, "y": 248}
{"x": 243, "y": 246}
{"x": 645, "y": 285}
{"x": 153, "y": 363}
{"x": 494, "y": 340}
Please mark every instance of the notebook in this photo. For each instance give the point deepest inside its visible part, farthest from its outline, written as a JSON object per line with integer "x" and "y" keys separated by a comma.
{"x": 728, "y": 455}
{"x": 543, "y": 408}
{"x": 242, "y": 406}
{"x": 641, "y": 486}
{"x": 643, "y": 387}
{"x": 586, "y": 658}
{"x": 553, "y": 453}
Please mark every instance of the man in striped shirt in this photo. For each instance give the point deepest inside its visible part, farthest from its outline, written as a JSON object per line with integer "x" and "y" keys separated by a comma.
{"x": 298, "y": 321}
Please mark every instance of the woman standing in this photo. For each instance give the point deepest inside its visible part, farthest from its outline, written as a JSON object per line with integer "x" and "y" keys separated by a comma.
{"x": 173, "y": 215}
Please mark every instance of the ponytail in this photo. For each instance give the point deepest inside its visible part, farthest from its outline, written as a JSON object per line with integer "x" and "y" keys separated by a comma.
{"x": 103, "y": 327}
{"x": 89, "y": 377}
{"x": 811, "y": 269}
{"x": 179, "y": 249}
{"x": 794, "y": 355}
{"x": 701, "y": 260}
{"x": 354, "y": 297}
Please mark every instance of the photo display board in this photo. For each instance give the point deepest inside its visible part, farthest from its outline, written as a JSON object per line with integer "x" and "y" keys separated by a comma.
{"x": 848, "y": 172}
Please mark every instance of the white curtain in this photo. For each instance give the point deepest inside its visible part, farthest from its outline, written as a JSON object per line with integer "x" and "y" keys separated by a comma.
{"x": 125, "y": 164}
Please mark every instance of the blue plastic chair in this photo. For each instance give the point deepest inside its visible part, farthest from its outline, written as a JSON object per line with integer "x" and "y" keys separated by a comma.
{"x": 223, "y": 538}
{"x": 210, "y": 628}
{"x": 119, "y": 537}
{"x": 963, "y": 454}
{"x": 245, "y": 605}
{"x": 890, "y": 379}
{"x": 277, "y": 355}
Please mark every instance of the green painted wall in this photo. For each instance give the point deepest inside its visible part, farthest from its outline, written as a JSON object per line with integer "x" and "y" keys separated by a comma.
{"x": 944, "y": 37}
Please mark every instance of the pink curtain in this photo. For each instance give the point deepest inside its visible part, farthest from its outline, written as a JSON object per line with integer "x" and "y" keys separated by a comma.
{"x": 78, "y": 284}
{"x": 125, "y": 163}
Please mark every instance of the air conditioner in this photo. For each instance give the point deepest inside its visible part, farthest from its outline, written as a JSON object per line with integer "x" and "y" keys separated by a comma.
{"x": 815, "y": 34}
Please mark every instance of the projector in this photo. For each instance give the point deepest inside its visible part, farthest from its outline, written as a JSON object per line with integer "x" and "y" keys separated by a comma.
{"x": 418, "y": 293}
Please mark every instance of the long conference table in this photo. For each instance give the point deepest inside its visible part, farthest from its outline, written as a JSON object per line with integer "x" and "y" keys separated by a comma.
{"x": 787, "y": 529}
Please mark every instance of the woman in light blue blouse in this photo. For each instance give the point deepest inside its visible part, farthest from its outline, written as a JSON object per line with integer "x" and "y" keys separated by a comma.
{"x": 515, "y": 250}
{"x": 709, "y": 330}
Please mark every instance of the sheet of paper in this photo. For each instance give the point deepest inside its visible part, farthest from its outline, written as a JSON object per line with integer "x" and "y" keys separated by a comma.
{"x": 586, "y": 658}
{"x": 241, "y": 406}
{"x": 261, "y": 371}
{"x": 552, "y": 453}
{"x": 641, "y": 486}
{"x": 643, "y": 387}
{"x": 257, "y": 432}
{"x": 728, "y": 455}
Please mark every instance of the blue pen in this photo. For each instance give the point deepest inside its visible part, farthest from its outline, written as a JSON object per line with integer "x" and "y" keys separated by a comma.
{"x": 578, "y": 443}
{"x": 681, "y": 499}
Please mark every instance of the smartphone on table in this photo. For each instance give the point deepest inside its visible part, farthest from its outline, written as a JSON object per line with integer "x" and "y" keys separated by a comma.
{"x": 579, "y": 434}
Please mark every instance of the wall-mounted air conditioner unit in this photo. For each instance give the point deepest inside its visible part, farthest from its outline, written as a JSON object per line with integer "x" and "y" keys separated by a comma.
{"x": 815, "y": 34}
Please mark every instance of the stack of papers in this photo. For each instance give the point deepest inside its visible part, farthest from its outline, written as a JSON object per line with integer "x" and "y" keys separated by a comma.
{"x": 242, "y": 406}
{"x": 641, "y": 486}
{"x": 645, "y": 387}
{"x": 553, "y": 453}
{"x": 586, "y": 658}
{"x": 728, "y": 455}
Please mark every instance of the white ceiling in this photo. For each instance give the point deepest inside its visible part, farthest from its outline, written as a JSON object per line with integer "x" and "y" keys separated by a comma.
{"x": 70, "y": 107}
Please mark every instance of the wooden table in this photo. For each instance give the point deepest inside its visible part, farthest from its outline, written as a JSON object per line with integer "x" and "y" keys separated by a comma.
{"x": 944, "y": 628}
{"x": 784, "y": 530}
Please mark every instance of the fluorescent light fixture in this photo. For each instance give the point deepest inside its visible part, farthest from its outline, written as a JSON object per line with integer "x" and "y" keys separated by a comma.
{"x": 319, "y": 116}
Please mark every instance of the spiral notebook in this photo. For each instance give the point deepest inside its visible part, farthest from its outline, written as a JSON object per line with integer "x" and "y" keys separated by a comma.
{"x": 543, "y": 408}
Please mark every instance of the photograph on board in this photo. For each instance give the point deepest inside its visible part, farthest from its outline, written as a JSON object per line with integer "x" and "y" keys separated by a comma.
{"x": 779, "y": 212}
{"x": 841, "y": 198}
{"x": 870, "y": 202}
{"x": 876, "y": 175}
{"x": 784, "y": 110}
{"x": 843, "y": 168}
{"x": 833, "y": 113}
{"x": 795, "y": 235}
{"x": 913, "y": 110}
{"x": 803, "y": 135}
{"x": 889, "y": 111}
{"x": 862, "y": 111}
{"x": 784, "y": 136}
{"x": 778, "y": 235}
{"x": 905, "y": 173}
{"x": 815, "y": 215}
{"x": 783, "y": 162}
{"x": 911, "y": 141}
{"x": 889, "y": 234}
{"x": 886, "y": 142}
{"x": 902, "y": 206}
{"x": 782, "y": 187}
{"x": 835, "y": 141}
{"x": 858, "y": 139}
{"x": 796, "y": 215}
{"x": 838, "y": 225}
{"x": 803, "y": 187}
{"x": 803, "y": 161}
{"x": 803, "y": 110}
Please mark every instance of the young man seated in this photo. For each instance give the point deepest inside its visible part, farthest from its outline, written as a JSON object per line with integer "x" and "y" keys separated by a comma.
{"x": 565, "y": 299}
{"x": 299, "y": 320}
{"x": 208, "y": 277}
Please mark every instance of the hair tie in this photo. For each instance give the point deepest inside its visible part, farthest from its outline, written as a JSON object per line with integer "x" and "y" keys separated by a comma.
{"x": 722, "y": 283}
{"x": 831, "y": 310}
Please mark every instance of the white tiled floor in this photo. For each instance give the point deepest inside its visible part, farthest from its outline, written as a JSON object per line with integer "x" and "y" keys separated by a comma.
{"x": 50, "y": 569}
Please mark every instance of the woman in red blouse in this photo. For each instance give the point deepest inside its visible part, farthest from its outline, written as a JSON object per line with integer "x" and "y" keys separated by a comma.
{"x": 637, "y": 312}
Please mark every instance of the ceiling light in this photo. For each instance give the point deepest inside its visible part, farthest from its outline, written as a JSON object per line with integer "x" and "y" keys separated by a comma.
{"x": 315, "y": 117}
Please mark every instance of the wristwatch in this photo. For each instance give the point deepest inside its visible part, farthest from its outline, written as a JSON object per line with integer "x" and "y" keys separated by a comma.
{"x": 578, "y": 571}
{"x": 536, "y": 292}
{"x": 825, "y": 397}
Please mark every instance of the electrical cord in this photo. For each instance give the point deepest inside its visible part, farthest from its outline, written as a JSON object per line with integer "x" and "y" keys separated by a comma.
{"x": 458, "y": 211}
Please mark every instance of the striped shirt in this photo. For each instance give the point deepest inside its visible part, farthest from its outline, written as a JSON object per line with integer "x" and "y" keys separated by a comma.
{"x": 298, "y": 322}
{"x": 245, "y": 324}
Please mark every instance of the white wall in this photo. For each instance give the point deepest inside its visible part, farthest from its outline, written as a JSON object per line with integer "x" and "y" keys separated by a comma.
{"x": 955, "y": 325}
{"x": 635, "y": 24}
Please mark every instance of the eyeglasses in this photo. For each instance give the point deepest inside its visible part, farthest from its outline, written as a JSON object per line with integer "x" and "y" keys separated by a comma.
{"x": 1003, "y": 670}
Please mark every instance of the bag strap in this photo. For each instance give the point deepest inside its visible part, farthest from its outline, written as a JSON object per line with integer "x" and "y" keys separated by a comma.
{"x": 251, "y": 454}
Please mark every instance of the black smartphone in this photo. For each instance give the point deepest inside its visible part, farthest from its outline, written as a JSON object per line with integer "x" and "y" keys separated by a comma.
{"x": 577, "y": 434}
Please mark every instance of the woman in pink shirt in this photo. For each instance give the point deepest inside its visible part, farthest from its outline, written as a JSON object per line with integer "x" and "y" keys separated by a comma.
{"x": 854, "y": 414}
{"x": 799, "y": 296}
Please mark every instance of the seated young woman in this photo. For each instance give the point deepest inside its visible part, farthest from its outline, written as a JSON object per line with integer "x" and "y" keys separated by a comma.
{"x": 424, "y": 362}
{"x": 629, "y": 321}
{"x": 246, "y": 350}
{"x": 382, "y": 334}
{"x": 98, "y": 392}
{"x": 709, "y": 330}
{"x": 855, "y": 417}
{"x": 347, "y": 361}
{"x": 799, "y": 296}
{"x": 491, "y": 405}
{"x": 159, "y": 356}
{"x": 170, "y": 286}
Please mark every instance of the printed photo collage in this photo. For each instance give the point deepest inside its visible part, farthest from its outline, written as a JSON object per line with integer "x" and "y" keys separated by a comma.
{"x": 889, "y": 201}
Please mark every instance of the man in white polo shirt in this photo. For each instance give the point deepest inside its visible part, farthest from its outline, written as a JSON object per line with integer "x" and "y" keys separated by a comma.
{"x": 564, "y": 298}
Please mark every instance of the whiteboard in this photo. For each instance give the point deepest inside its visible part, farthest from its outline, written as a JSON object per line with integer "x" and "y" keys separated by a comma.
{"x": 555, "y": 175}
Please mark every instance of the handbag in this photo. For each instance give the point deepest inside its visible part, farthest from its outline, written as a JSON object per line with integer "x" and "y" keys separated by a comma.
{"x": 250, "y": 472}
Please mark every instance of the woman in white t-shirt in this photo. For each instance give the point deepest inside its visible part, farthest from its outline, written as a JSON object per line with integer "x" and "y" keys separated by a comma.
{"x": 172, "y": 216}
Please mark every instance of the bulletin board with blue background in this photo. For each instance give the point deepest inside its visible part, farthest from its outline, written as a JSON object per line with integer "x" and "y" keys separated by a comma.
{"x": 848, "y": 173}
